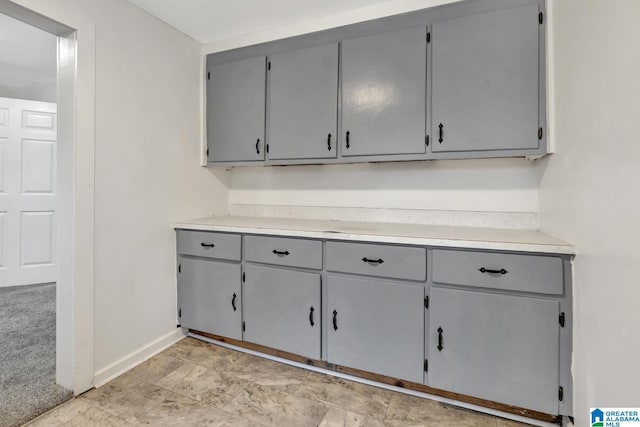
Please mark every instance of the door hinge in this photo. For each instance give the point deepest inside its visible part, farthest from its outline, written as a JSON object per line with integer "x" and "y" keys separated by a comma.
{"x": 561, "y": 319}
{"x": 560, "y": 393}
{"x": 179, "y": 268}
{"x": 540, "y": 18}
{"x": 180, "y": 312}
{"x": 426, "y": 365}
{"x": 539, "y": 133}
{"x": 426, "y": 302}
{"x": 428, "y": 37}
{"x": 269, "y": 65}
{"x": 209, "y": 75}
{"x": 426, "y": 140}
{"x": 244, "y": 326}
{"x": 244, "y": 277}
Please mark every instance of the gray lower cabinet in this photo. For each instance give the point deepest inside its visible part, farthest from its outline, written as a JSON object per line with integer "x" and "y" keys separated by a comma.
{"x": 376, "y": 326}
{"x": 236, "y": 93}
{"x": 486, "y": 78}
{"x": 383, "y": 93}
{"x": 303, "y": 103}
{"x": 282, "y": 309}
{"x": 209, "y": 296}
{"x": 497, "y": 347}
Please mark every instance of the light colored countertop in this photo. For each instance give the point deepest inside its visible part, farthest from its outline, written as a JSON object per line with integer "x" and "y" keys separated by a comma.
{"x": 409, "y": 234}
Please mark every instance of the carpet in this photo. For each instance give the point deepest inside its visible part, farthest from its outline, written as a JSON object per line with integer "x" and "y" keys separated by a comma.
{"x": 28, "y": 353}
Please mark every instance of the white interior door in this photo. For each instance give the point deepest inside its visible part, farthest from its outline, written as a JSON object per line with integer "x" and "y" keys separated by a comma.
{"x": 27, "y": 192}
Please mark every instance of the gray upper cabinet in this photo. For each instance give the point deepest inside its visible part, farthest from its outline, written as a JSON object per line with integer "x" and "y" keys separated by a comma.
{"x": 486, "y": 81}
{"x": 376, "y": 326}
{"x": 209, "y": 298}
{"x": 236, "y": 110}
{"x": 282, "y": 309}
{"x": 303, "y": 103}
{"x": 497, "y": 347}
{"x": 383, "y": 93}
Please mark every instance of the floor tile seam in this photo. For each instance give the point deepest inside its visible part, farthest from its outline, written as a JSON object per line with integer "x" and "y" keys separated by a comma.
{"x": 104, "y": 410}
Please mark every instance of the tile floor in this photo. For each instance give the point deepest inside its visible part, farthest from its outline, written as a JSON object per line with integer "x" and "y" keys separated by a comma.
{"x": 194, "y": 383}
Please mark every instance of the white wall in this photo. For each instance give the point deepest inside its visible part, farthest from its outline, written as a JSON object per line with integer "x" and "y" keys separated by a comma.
{"x": 501, "y": 185}
{"x": 589, "y": 192}
{"x": 43, "y": 92}
{"x": 147, "y": 150}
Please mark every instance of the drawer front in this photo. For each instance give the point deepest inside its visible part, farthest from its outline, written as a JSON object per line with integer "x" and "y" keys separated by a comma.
{"x": 377, "y": 260}
{"x": 512, "y": 272}
{"x": 209, "y": 245}
{"x": 284, "y": 251}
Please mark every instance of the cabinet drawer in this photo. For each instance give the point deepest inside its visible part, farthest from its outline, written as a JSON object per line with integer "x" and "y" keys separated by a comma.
{"x": 209, "y": 245}
{"x": 283, "y": 251}
{"x": 513, "y": 272}
{"x": 377, "y": 260}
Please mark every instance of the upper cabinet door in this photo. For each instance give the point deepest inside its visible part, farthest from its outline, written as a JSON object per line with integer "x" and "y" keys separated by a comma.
{"x": 486, "y": 81}
{"x": 236, "y": 110}
{"x": 303, "y": 103}
{"x": 383, "y": 93}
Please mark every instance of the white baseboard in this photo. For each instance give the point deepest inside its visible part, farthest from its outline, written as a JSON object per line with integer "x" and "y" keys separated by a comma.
{"x": 135, "y": 358}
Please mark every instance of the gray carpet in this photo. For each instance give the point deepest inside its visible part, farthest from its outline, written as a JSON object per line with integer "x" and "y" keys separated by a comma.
{"x": 28, "y": 353}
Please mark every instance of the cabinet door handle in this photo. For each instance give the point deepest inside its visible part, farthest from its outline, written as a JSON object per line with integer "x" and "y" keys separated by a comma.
{"x": 258, "y": 146}
{"x": 311, "y": 322}
{"x": 207, "y": 245}
{"x": 233, "y": 302}
{"x": 372, "y": 261}
{"x": 440, "y": 340}
{"x": 329, "y": 142}
{"x": 440, "y": 133}
{"x": 335, "y": 320}
{"x": 280, "y": 253}
{"x": 347, "y": 139}
{"x": 488, "y": 270}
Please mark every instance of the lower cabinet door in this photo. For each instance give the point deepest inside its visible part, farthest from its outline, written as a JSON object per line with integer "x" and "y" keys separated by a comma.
{"x": 376, "y": 326}
{"x": 209, "y": 296}
{"x": 501, "y": 348}
{"x": 282, "y": 309}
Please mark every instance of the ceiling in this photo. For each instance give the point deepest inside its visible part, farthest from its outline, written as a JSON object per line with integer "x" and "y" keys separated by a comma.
{"x": 213, "y": 20}
{"x": 27, "y": 54}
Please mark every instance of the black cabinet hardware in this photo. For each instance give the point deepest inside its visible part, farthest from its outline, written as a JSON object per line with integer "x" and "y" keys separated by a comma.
{"x": 207, "y": 245}
{"x": 347, "y": 139}
{"x": 280, "y": 253}
{"x": 258, "y": 146}
{"x": 488, "y": 270}
{"x": 561, "y": 319}
{"x": 373, "y": 261}
{"x": 426, "y": 302}
{"x": 329, "y": 142}
{"x": 560, "y": 393}
{"x": 311, "y": 322}
{"x": 233, "y": 302}
{"x": 440, "y": 340}
{"x": 335, "y": 320}
{"x": 440, "y": 133}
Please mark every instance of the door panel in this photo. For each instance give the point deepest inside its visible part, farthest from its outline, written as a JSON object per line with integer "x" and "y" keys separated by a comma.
{"x": 27, "y": 192}
{"x": 379, "y": 326}
{"x": 383, "y": 93}
{"x": 278, "y": 310}
{"x": 303, "y": 102}
{"x": 485, "y": 81}
{"x": 497, "y": 347}
{"x": 236, "y": 110}
{"x": 206, "y": 291}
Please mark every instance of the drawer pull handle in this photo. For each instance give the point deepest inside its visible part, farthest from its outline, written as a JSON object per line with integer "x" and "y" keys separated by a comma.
{"x": 373, "y": 261}
{"x": 440, "y": 339}
{"x": 258, "y": 146}
{"x": 311, "y": 322}
{"x": 280, "y": 253}
{"x": 487, "y": 270}
{"x": 335, "y": 320}
{"x": 207, "y": 245}
{"x": 233, "y": 302}
{"x": 440, "y": 133}
{"x": 329, "y": 142}
{"x": 348, "y": 137}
